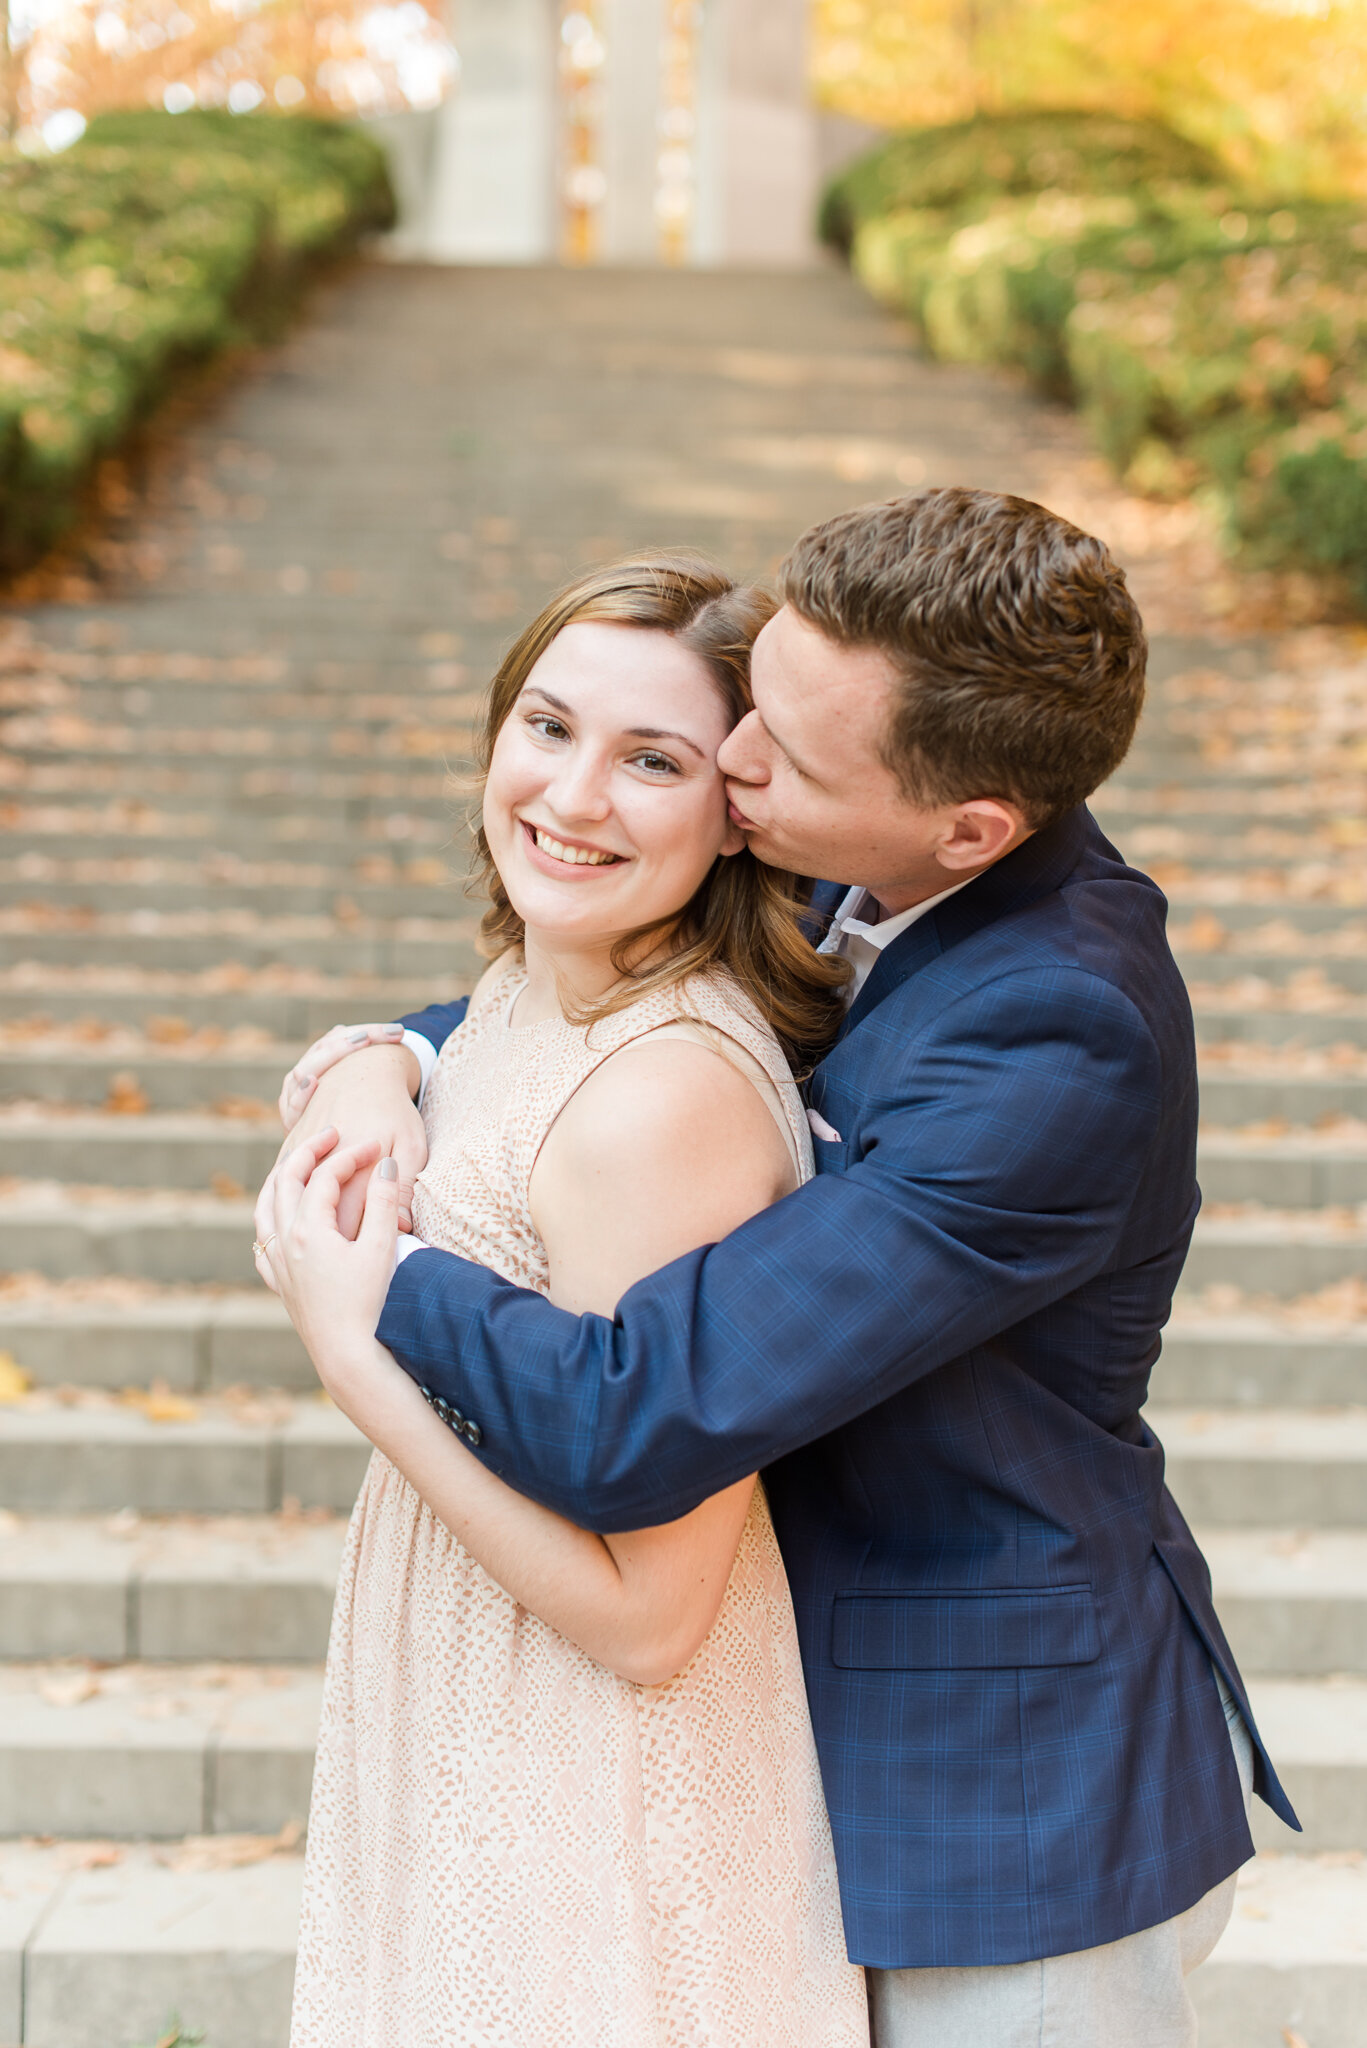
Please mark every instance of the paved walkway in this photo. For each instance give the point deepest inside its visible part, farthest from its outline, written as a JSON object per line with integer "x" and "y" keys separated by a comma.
{"x": 226, "y": 822}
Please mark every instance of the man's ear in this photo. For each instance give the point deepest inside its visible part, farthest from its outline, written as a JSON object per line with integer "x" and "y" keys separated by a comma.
{"x": 979, "y": 832}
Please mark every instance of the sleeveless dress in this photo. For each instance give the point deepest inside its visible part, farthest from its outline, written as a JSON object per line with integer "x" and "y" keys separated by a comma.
{"x": 508, "y": 1843}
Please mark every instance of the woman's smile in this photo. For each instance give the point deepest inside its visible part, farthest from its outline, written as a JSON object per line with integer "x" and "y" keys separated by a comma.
{"x": 566, "y": 859}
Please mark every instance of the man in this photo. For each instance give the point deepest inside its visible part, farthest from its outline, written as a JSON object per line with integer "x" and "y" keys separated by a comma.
{"x": 938, "y": 1350}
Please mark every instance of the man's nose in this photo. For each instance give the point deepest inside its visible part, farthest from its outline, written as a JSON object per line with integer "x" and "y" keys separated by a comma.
{"x": 740, "y": 756}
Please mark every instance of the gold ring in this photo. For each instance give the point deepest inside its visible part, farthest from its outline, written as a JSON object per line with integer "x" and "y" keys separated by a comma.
{"x": 259, "y": 1249}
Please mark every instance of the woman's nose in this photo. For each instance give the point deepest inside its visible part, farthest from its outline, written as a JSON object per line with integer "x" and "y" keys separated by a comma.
{"x": 579, "y": 788}
{"x": 741, "y": 755}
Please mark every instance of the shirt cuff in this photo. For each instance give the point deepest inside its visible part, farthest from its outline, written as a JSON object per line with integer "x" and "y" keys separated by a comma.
{"x": 425, "y": 1053}
{"x": 407, "y": 1244}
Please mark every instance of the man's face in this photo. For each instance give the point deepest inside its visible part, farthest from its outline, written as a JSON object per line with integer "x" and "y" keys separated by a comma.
{"x": 809, "y": 789}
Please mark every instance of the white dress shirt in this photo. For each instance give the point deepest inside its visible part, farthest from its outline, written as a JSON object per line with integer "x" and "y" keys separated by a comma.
{"x": 856, "y": 940}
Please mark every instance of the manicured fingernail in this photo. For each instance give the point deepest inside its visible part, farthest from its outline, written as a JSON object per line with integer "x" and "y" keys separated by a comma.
{"x": 389, "y": 1169}
{"x": 309, "y": 1081}
{"x": 357, "y": 1037}
{"x": 393, "y": 1031}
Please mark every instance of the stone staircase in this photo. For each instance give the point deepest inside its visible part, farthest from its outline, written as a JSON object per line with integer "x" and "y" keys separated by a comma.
{"x": 224, "y": 824}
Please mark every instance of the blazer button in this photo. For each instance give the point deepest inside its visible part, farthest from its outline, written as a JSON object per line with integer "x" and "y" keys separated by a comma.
{"x": 473, "y": 1434}
{"x": 441, "y": 1408}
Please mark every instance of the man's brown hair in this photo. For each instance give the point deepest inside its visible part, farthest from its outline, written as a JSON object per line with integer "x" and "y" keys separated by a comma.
{"x": 1019, "y": 650}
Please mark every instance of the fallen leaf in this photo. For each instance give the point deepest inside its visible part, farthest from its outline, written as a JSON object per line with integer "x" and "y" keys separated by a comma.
{"x": 226, "y": 1188}
{"x": 230, "y": 1852}
{"x": 14, "y": 1381}
{"x": 68, "y": 1688}
{"x": 167, "y": 1030}
{"x": 126, "y": 1097}
{"x": 159, "y": 1404}
{"x": 1293, "y": 2039}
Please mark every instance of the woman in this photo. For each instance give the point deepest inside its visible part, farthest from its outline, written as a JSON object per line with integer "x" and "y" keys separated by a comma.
{"x": 566, "y": 1792}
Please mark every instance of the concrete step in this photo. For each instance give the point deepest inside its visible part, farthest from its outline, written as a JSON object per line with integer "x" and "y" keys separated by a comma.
{"x": 305, "y": 891}
{"x": 171, "y": 1453}
{"x": 1266, "y": 1467}
{"x": 1295, "y": 1169}
{"x": 107, "y": 1947}
{"x": 254, "y": 1588}
{"x": 1291, "y": 1967}
{"x": 68, "y": 1231}
{"x": 119, "y": 1333}
{"x": 282, "y": 1003}
{"x": 1337, "y": 1023}
{"x": 427, "y": 950}
{"x": 1284, "y": 1252}
{"x": 1288, "y": 1090}
{"x": 1276, "y": 959}
{"x": 1316, "y": 1732}
{"x": 101, "y": 1953}
{"x": 162, "y": 1149}
{"x": 156, "y": 1750}
{"x": 1293, "y": 1601}
{"x": 1254, "y": 1361}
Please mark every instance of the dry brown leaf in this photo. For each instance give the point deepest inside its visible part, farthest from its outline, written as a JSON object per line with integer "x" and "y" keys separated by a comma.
{"x": 14, "y": 1381}
{"x": 126, "y": 1097}
{"x": 226, "y": 1188}
{"x": 231, "y": 1852}
{"x": 167, "y": 1030}
{"x": 159, "y": 1404}
{"x": 1293, "y": 2039}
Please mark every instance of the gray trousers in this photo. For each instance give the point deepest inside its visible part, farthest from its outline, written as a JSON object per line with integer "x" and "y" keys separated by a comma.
{"x": 1127, "y": 1994}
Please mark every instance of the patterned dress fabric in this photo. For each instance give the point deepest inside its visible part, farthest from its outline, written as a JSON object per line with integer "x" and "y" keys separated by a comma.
{"x": 508, "y": 1843}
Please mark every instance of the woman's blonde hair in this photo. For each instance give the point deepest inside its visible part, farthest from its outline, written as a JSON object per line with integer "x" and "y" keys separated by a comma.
{"x": 745, "y": 916}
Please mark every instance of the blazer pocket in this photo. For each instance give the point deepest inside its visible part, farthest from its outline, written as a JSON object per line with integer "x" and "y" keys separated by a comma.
{"x": 977, "y": 1631}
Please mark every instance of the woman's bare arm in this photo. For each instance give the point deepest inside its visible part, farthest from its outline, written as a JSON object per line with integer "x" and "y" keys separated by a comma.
{"x": 666, "y": 1147}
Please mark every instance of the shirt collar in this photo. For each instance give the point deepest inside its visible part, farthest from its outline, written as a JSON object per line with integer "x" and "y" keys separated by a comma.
{"x": 848, "y": 922}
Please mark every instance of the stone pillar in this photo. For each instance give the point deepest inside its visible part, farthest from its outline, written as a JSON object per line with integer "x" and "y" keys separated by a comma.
{"x": 630, "y": 134}
{"x": 757, "y": 156}
{"x": 492, "y": 197}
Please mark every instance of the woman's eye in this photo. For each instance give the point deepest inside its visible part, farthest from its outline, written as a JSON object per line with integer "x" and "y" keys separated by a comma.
{"x": 548, "y": 727}
{"x": 658, "y": 764}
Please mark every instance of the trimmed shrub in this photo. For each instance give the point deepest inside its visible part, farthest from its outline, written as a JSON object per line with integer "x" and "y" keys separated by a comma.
{"x": 1209, "y": 337}
{"x": 967, "y": 164}
{"x": 155, "y": 241}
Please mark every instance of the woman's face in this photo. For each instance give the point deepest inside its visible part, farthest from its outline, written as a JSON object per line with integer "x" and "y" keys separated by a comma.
{"x": 604, "y": 808}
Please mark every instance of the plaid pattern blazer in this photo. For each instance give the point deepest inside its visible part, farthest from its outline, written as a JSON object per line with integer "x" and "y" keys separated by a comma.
{"x": 938, "y": 1352}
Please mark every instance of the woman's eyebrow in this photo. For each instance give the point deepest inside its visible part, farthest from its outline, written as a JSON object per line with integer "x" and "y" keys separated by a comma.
{"x": 653, "y": 732}
{"x": 633, "y": 732}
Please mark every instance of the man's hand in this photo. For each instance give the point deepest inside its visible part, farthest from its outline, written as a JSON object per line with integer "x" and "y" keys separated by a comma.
{"x": 338, "y": 1044}
{"x": 369, "y": 1099}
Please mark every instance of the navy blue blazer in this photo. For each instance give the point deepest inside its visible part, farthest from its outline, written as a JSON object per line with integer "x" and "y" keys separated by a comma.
{"x": 937, "y": 1351}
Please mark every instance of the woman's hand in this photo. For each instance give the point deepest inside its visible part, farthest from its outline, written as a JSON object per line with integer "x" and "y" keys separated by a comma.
{"x": 334, "y": 1288}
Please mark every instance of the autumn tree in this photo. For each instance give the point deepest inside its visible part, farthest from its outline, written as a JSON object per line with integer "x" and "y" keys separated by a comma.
{"x": 1276, "y": 86}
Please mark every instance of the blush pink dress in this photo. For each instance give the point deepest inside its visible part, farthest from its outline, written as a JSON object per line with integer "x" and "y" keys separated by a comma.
{"x": 508, "y": 1843}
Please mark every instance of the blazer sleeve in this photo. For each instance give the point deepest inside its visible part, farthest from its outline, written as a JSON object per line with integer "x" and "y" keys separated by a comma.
{"x": 437, "y": 1021}
{"x": 992, "y": 1174}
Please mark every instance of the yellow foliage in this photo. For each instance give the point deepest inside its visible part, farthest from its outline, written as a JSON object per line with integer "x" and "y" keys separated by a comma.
{"x": 14, "y": 1381}
{"x": 1276, "y": 86}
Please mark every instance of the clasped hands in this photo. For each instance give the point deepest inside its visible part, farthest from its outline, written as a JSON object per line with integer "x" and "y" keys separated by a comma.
{"x": 341, "y": 1189}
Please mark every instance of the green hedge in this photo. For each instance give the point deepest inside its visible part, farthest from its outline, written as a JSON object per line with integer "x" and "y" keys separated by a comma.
{"x": 154, "y": 241}
{"x": 1212, "y": 338}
